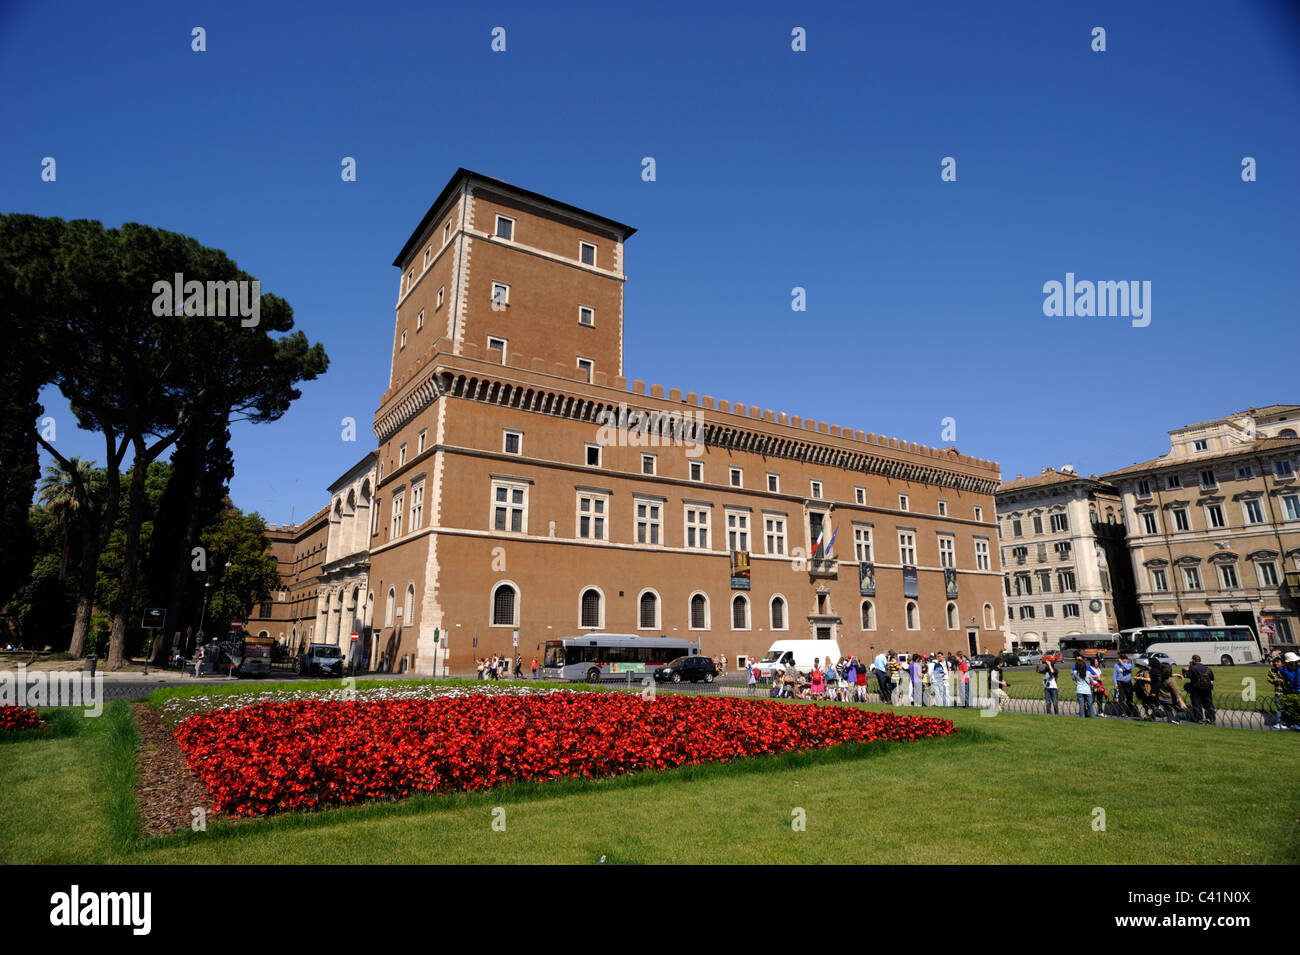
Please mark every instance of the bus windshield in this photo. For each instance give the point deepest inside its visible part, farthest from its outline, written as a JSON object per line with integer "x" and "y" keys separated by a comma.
{"x": 554, "y": 654}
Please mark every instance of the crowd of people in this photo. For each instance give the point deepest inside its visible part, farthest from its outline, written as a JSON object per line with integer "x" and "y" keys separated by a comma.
{"x": 498, "y": 667}
{"x": 909, "y": 679}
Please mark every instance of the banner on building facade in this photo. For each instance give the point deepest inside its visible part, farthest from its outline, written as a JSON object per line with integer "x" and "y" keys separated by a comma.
{"x": 950, "y": 582}
{"x": 740, "y": 570}
{"x": 909, "y": 581}
{"x": 867, "y": 579}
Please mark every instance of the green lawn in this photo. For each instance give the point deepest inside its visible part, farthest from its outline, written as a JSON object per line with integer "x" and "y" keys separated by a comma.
{"x": 1009, "y": 788}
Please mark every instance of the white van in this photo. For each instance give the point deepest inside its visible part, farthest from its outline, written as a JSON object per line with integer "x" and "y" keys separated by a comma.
{"x": 800, "y": 652}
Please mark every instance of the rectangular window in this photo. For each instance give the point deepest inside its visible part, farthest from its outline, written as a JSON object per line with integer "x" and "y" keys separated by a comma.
{"x": 592, "y": 509}
{"x": 1044, "y": 581}
{"x": 902, "y": 502}
{"x": 1173, "y": 481}
{"x": 420, "y": 441}
{"x": 402, "y": 343}
{"x": 1060, "y": 523}
{"x": 500, "y": 295}
{"x": 943, "y": 508}
{"x": 374, "y": 525}
{"x": 1244, "y": 472}
{"x": 774, "y": 534}
{"x": 860, "y": 495}
{"x": 947, "y": 551}
{"x": 648, "y": 464}
{"x": 498, "y": 345}
{"x": 697, "y": 528}
{"x": 1069, "y": 610}
{"x": 512, "y": 442}
{"x": 1282, "y": 468}
{"x": 979, "y": 513}
{"x": 587, "y": 368}
{"x": 1023, "y": 588}
{"x": 649, "y": 522}
{"x": 774, "y": 483}
{"x": 1063, "y": 550}
{"x": 401, "y": 455}
{"x": 1048, "y": 611}
{"x": 587, "y": 253}
{"x": 1144, "y": 488}
{"x": 410, "y": 279}
{"x": 1267, "y": 572}
{"x": 1214, "y": 516}
{"x": 697, "y": 471}
{"x": 1180, "y": 519}
{"x": 509, "y": 507}
{"x": 1149, "y": 523}
{"x": 417, "y": 506}
{"x": 441, "y": 292}
{"x": 816, "y": 489}
{"x": 906, "y": 548}
{"x": 399, "y": 504}
{"x": 1016, "y": 529}
{"x": 737, "y": 477}
{"x": 1228, "y": 577}
{"x": 446, "y": 233}
{"x": 981, "y": 555}
{"x": 1038, "y": 523}
{"x": 419, "y": 320}
{"x": 1201, "y": 444}
{"x": 1191, "y": 578}
{"x": 862, "y": 544}
{"x": 737, "y": 531}
{"x": 505, "y": 228}
{"x": 593, "y": 455}
{"x": 1065, "y": 581}
{"x": 427, "y": 254}
{"x": 1291, "y": 506}
{"x": 1159, "y": 582}
{"x": 1208, "y": 479}
{"x": 586, "y": 316}
{"x": 1253, "y": 512}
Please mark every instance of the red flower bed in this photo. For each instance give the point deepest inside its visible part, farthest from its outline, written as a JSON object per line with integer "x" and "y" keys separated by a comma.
{"x": 18, "y": 718}
{"x": 309, "y": 753}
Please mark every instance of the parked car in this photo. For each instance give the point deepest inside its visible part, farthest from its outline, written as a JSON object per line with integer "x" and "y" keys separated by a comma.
{"x": 687, "y": 670}
{"x": 1030, "y": 658}
{"x": 1149, "y": 659}
{"x": 323, "y": 659}
{"x": 1009, "y": 659}
{"x": 799, "y": 652}
{"x": 983, "y": 661}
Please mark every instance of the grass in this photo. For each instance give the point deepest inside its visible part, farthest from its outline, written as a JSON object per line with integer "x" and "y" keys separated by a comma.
{"x": 1010, "y": 789}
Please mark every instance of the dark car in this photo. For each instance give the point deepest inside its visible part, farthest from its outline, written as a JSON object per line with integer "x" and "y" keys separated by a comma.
{"x": 983, "y": 661}
{"x": 321, "y": 658}
{"x": 687, "y": 670}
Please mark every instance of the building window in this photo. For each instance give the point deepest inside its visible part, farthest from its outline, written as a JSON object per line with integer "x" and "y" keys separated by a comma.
{"x": 498, "y": 345}
{"x": 816, "y": 489}
{"x": 774, "y": 483}
{"x": 774, "y": 535}
{"x": 1282, "y": 468}
{"x": 1143, "y": 488}
{"x": 649, "y": 522}
{"x": 862, "y": 544}
{"x": 1228, "y": 577}
{"x": 1060, "y": 523}
{"x": 697, "y": 471}
{"x": 586, "y": 253}
{"x": 1149, "y": 522}
{"x": 427, "y": 254}
{"x": 1065, "y": 581}
{"x": 1252, "y": 511}
{"x": 410, "y": 279}
{"x": 586, "y": 316}
{"x": 1049, "y": 611}
{"x": 868, "y": 616}
{"x": 778, "y": 613}
{"x": 1069, "y": 610}
{"x": 420, "y": 440}
{"x": 648, "y": 464}
{"x": 1208, "y": 480}
{"x": 505, "y": 228}
{"x": 1201, "y": 444}
{"x": 402, "y": 343}
{"x": 1038, "y": 523}
{"x": 1173, "y": 481}
{"x": 981, "y": 555}
{"x": 1180, "y": 519}
{"x": 504, "y": 606}
{"x": 1063, "y": 549}
{"x": 441, "y": 292}
{"x": 649, "y": 611}
{"x": 739, "y": 613}
{"x": 590, "y": 612}
{"x": 699, "y": 612}
{"x": 979, "y": 513}
{"x": 1159, "y": 582}
{"x": 1020, "y": 554}
{"x": 697, "y": 528}
{"x": 736, "y": 476}
{"x": 902, "y": 502}
{"x": 391, "y": 608}
{"x": 947, "y": 551}
{"x": 399, "y": 502}
{"x": 587, "y": 368}
{"x": 1191, "y": 578}
{"x": 509, "y": 507}
{"x": 737, "y": 531}
{"x": 1214, "y": 516}
{"x": 860, "y": 495}
{"x": 951, "y": 613}
{"x": 1291, "y": 505}
{"x": 374, "y": 528}
{"x": 1026, "y": 613}
{"x": 1244, "y": 472}
{"x": 417, "y": 506}
{"x": 1044, "y": 581}
{"x": 1266, "y": 570}
{"x": 1016, "y": 530}
{"x": 913, "y": 617}
{"x": 593, "y": 455}
{"x": 408, "y": 616}
{"x": 988, "y": 617}
{"x": 906, "y": 548}
{"x": 500, "y": 295}
{"x": 591, "y": 516}
{"x": 512, "y": 442}
{"x": 419, "y": 320}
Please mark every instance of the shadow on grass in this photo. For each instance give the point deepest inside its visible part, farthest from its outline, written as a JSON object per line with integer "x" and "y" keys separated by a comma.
{"x": 125, "y": 816}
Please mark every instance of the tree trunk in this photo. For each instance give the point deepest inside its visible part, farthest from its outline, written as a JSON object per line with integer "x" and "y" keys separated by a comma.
{"x": 130, "y": 557}
{"x": 93, "y": 539}
{"x": 182, "y": 569}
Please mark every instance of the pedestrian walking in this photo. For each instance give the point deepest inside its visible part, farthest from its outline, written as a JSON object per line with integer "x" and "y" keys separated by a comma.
{"x": 939, "y": 678}
{"x": 534, "y": 668}
{"x": 1050, "y": 689}
{"x": 914, "y": 671}
{"x": 751, "y": 677}
{"x": 816, "y": 682}
{"x": 880, "y": 667}
{"x": 963, "y": 671}
{"x": 1083, "y": 686}
{"x": 1200, "y": 686}
{"x": 997, "y": 684}
{"x": 1122, "y": 677}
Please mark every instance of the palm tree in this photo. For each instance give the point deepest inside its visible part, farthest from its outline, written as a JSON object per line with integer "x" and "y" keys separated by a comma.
{"x": 58, "y": 496}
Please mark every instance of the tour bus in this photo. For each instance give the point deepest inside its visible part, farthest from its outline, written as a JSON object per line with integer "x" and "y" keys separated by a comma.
{"x": 593, "y": 657}
{"x": 1094, "y": 646}
{"x": 1222, "y": 645}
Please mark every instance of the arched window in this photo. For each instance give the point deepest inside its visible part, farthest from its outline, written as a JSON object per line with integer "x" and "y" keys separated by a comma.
{"x": 391, "y": 608}
{"x": 988, "y": 617}
{"x": 408, "y": 611}
{"x": 952, "y": 616}
{"x": 912, "y": 621}
{"x": 739, "y": 613}
{"x": 649, "y": 611}
{"x": 590, "y": 608}
{"x": 1286, "y": 433}
{"x": 778, "y": 613}
{"x": 699, "y": 612}
{"x": 868, "y": 616}
{"x": 503, "y": 606}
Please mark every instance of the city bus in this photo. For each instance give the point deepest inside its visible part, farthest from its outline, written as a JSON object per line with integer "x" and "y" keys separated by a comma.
{"x": 1222, "y": 645}
{"x": 1094, "y": 646}
{"x": 593, "y": 657}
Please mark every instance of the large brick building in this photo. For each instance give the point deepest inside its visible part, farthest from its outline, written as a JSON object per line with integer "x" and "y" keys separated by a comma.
{"x": 521, "y": 484}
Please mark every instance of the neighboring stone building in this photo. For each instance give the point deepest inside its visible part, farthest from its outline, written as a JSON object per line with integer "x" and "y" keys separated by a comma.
{"x": 1214, "y": 525}
{"x": 290, "y": 614}
{"x": 1067, "y": 569}
{"x": 347, "y": 606}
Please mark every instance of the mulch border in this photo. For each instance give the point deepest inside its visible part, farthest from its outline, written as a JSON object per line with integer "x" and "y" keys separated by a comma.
{"x": 168, "y": 790}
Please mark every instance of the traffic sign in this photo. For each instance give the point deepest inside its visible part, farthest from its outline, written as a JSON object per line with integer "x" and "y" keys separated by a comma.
{"x": 154, "y": 617}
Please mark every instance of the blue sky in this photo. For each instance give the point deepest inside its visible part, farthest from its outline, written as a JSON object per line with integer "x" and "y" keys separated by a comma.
{"x": 775, "y": 169}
